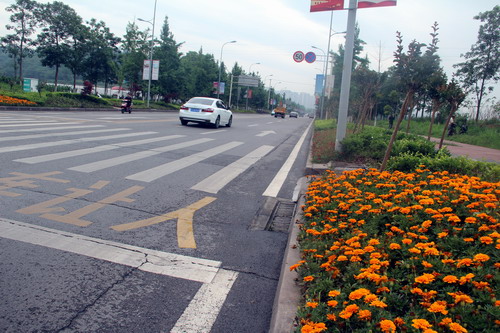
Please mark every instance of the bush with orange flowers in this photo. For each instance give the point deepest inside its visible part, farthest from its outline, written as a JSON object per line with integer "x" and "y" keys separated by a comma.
{"x": 7, "y": 100}
{"x": 400, "y": 252}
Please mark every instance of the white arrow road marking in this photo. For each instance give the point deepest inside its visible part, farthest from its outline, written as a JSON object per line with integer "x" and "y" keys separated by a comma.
{"x": 264, "y": 133}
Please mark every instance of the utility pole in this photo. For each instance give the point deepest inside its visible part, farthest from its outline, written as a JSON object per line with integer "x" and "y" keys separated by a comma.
{"x": 346, "y": 76}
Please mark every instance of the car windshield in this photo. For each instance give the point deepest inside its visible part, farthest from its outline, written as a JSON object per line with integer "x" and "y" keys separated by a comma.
{"x": 204, "y": 101}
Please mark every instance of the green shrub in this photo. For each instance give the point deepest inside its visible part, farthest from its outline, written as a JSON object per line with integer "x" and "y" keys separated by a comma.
{"x": 409, "y": 162}
{"x": 65, "y": 99}
{"x": 415, "y": 146}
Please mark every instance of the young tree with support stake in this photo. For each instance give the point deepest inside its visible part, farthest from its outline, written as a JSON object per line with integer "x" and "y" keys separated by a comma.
{"x": 413, "y": 70}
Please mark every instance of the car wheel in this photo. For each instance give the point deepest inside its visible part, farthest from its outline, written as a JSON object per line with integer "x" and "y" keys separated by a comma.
{"x": 229, "y": 122}
{"x": 217, "y": 122}
{"x": 184, "y": 122}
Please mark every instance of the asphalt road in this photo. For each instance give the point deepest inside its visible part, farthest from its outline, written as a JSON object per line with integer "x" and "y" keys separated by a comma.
{"x": 134, "y": 223}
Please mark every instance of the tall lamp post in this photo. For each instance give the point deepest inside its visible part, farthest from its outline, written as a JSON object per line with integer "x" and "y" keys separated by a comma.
{"x": 150, "y": 52}
{"x": 220, "y": 66}
{"x": 269, "y": 94}
{"x": 322, "y": 100}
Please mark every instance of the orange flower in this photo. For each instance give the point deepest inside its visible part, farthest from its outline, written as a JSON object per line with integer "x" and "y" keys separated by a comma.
{"x": 309, "y": 278}
{"x": 312, "y": 304}
{"x": 378, "y": 304}
{"x": 359, "y": 293}
{"x": 486, "y": 240}
{"x": 395, "y": 246}
{"x": 457, "y": 328}
{"x": 334, "y": 293}
{"x": 349, "y": 311}
{"x": 294, "y": 267}
{"x": 332, "y": 303}
{"x": 387, "y": 326}
{"x": 313, "y": 328}
{"x": 421, "y": 324}
{"x": 364, "y": 315}
{"x": 425, "y": 279}
{"x": 480, "y": 257}
{"x": 450, "y": 279}
{"x": 438, "y": 306}
{"x": 331, "y": 316}
{"x": 460, "y": 297}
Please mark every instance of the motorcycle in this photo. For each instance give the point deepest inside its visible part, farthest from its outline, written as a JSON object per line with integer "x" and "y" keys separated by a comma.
{"x": 126, "y": 106}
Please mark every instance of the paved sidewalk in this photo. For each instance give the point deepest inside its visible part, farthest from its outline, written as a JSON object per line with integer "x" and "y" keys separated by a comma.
{"x": 471, "y": 151}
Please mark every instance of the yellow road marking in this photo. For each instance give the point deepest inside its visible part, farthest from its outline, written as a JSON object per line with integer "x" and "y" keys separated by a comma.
{"x": 75, "y": 217}
{"x": 184, "y": 216}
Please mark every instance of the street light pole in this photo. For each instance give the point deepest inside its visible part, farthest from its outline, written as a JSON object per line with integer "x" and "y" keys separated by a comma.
{"x": 269, "y": 94}
{"x": 220, "y": 66}
{"x": 151, "y": 52}
{"x": 248, "y": 88}
{"x": 322, "y": 100}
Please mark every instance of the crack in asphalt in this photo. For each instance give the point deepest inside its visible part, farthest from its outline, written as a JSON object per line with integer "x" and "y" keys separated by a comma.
{"x": 103, "y": 293}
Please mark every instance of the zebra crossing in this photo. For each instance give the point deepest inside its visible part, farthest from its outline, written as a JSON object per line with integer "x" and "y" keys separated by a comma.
{"x": 32, "y": 153}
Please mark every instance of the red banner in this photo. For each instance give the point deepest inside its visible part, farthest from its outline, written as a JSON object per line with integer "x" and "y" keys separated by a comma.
{"x": 322, "y": 5}
{"x": 376, "y": 3}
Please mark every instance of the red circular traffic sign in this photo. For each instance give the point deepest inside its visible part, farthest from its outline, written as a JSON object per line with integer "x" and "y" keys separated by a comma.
{"x": 298, "y": 56}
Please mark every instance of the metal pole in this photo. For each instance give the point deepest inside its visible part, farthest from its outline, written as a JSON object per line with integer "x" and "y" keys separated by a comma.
{"x": 269, "y": 95}
{"x": 231, "y": 89}
{"x": 323, "y": 113}
{"x": 151, "y": 56}
{"x": 346, "y": 76}
{"x": 322, "y": 99}
{"x": 220, "y": 66}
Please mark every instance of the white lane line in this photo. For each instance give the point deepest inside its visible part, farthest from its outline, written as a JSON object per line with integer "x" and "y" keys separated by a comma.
{"x": 49, "y": 128}
{"x": 168, "y": 168}
{"x": 278, "y": 181}
{"x": 253, "y": 125}
{"x": 222, "y": 177}
{"x": 45, "y": 124}
{"x": 214, "y": 131}
{"x": 85, "y": 151}
{"x": 23, "y": 121}
{"x": 68, "y": 142}
{"x": 100, "y": 165}
{"x": 163, "y": 263}
{"x": 204, "y": 308}
{"x": 36, "y": 136}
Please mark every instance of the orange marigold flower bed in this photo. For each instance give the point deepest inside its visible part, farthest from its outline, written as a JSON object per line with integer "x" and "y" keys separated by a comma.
{"x": 6, "y": 100}
{"x": 394, "y": 251}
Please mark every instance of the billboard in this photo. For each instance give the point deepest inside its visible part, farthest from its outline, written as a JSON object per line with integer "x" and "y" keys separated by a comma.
{"x": 146, "y": 70}
{"x": 318, "y": 90}
{"x": 322, "y": 5}
{"x": 248, "y": 81}
{"x": 375, "y": 3}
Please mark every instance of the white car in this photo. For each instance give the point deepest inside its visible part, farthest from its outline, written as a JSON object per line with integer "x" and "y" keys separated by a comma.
{"x": 206, "y": 110}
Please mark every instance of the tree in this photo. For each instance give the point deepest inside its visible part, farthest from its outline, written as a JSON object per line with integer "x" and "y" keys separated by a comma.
{"x": 483, "y": 60}
{"x": 437, "y": 85}
{"x": 168, "y": 53}
{"x": 77, "y": 51}
{"x": 101, "y": 61}
{"x": 413, "y": 70}
{"x": 59, "y": 22}
{"x": 454, "y": 96}
{"x": 135, "y": 48}
{"x": 199, "y": 72}
{"x": 19, "y": 45}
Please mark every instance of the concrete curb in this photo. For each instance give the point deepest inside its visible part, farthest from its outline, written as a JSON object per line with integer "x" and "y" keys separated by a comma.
{"x": 288, "y": 293}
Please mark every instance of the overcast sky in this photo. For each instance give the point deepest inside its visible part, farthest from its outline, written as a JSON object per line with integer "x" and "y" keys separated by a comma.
{"x": 270, "y": 31}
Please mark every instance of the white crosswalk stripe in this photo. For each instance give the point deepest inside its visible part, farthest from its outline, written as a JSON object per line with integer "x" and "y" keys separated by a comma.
{"x": 49, "y": 128}
{"x": 44, "y": 124}
{"x": 100, "y": 165}
{"x": 218, "y": 180}
{"x": 48, "y": 135}
{"x": 85, "y": 151}
{"x": 67, "y": 142}
{"x": 171, "y": 167}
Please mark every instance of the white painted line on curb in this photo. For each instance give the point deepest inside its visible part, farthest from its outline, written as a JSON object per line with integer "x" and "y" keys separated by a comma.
{"x": 278, "y": 181}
